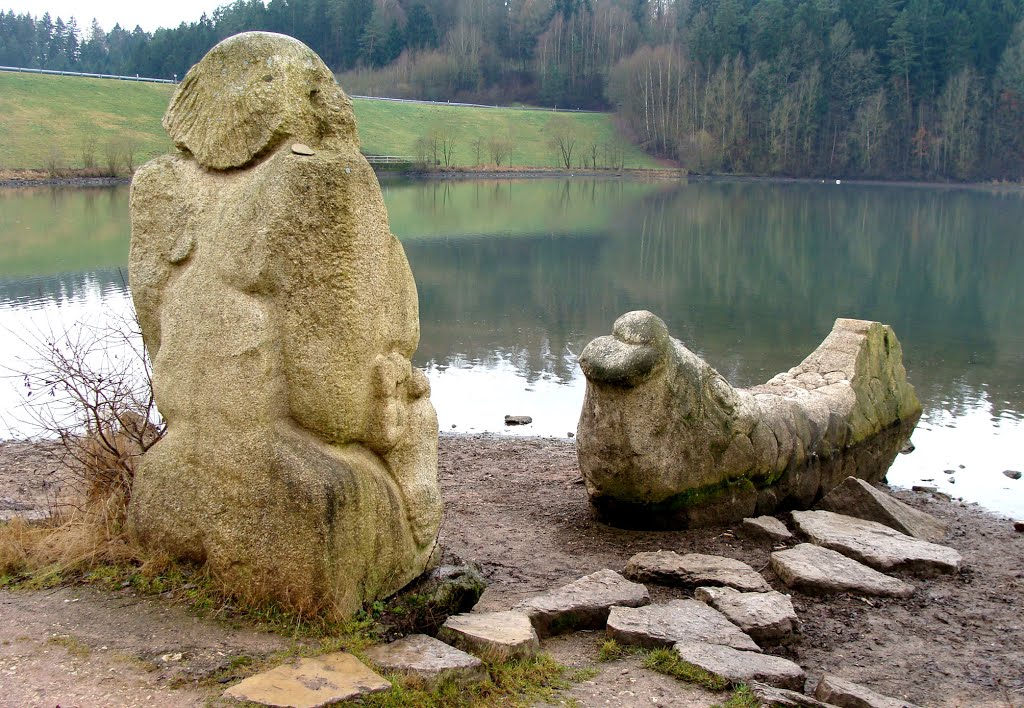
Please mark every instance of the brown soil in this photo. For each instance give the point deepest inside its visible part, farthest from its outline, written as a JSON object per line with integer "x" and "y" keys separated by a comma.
{"x": 518, "y": 508}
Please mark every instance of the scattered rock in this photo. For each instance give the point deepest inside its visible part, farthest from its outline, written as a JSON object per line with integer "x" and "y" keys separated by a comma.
{"x": 677, "y": 621}
{"x": 427, "y": 658}
{"x": 925, "y": 488}
{"x": 518, "y": 420}
{"x": 502, "y": 635}
{"x": 742, "y": 666}
{"x": 876, "y": 545}
{"x": 855, "y": 497}
{"x": 309, "y": 683}
{"x": 771, "y": 697}
{"x": 1018, "y": 526}
{"x": 1012, "y": 474}
{"x": 435, "y": 596}
{"x": 693, "y": 570}
{"x": 818, "y": 570}
{"x": 766, "y": 527}
{"x": 583, "y": 604}
{"x": 846, "y": 694}
{"x": 768, "y": 617}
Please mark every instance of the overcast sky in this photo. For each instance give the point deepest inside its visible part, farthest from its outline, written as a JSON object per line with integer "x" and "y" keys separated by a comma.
{"x": 148, "y": 14}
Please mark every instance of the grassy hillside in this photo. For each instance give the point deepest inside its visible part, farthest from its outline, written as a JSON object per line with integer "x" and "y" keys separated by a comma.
{"x": 46, "y": 119}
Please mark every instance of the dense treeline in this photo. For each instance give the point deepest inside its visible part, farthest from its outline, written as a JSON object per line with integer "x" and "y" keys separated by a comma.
{"x": 894, "y": 88}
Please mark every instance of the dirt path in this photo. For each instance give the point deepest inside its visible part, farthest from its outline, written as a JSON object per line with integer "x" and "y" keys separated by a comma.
{"x": 518, "y": 508}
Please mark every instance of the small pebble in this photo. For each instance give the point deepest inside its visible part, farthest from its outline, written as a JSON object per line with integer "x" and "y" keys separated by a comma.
{"x": 1012, "y": 474}
{"x": 1018, "y": 526}
{"x": 300, "y": 149}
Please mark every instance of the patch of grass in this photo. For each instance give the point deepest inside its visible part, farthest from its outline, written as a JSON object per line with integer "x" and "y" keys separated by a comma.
{"x": 56, "y": 122}
{"x": 743, "y": 697}
{"x": 73, "y": 645}
{"x": 516, "y": 682}
{"x": 666, "y": 661}
{"x": 612, "y": 650}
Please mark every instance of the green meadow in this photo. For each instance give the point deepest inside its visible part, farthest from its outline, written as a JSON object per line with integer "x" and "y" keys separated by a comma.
{"x": 57, "y": 121}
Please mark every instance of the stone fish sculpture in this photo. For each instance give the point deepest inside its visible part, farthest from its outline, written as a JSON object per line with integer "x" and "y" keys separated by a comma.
{"x": 664, "y": 441}
{"x": 300, "y": 461}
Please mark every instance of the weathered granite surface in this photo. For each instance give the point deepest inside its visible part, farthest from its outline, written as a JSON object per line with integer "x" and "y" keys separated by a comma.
{"x": 496, "y": 635}
{"x": 676, "y": 621}
{"x": 767, "y": 617}
{"x": 816, "y": 570}
{"x": 742, "y": 666}
{"x": 692, "y": 570}
{"x": 300, "y": 461}
{"x": 855, "y": 497}
{"x": 310, "y": 683}
{"x": 847, "y": 694}
{"x": 665, "y": 441}
{"x": 765, "y": 528}
{"x": 875, "y": 544}
{"x": 428, "y": 659}
{"x": 583, "y": 603}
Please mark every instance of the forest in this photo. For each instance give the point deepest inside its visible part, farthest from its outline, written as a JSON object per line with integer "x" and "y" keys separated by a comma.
{"x": 895, "y": 89}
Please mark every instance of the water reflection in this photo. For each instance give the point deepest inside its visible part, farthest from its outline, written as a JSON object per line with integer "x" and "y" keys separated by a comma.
{"x": 515, "y": 277}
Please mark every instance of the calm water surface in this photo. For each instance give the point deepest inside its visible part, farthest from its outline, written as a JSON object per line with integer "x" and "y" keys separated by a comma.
{"x": 516, "y": 277}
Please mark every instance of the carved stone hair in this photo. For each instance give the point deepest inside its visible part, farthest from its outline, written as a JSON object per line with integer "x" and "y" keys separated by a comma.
{"x": 250, "y": 93}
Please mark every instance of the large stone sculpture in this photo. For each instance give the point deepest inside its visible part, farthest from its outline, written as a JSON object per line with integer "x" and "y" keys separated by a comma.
{"x": 300, "y": 461}
{"x": 665, "y": 441}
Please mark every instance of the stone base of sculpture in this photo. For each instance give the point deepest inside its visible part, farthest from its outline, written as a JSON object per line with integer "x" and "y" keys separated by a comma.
{"x": 300, "y": 460}
{"x": 664, "y": 441}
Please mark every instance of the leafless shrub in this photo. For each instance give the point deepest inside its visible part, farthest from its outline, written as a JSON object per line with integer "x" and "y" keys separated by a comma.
{"x": 54, "y": 162}
{"x": 89, "y": 152}
{"x": 90, "y": 387}
{"x": 112, "y": 157}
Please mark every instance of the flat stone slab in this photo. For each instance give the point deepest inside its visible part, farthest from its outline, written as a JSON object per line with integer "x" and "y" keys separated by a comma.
{"x": 688, "y": 621}
{"x": 855, "y": 497}
{"x": 846, "y": 694}
{"x": 742, "y": 666}
{"x": 776, "y": 697}
{"x": 693, "y": 570}
{"x": 818, "y": 570}
{"x": 309, "y": 683}
{"x": 501, "y": 635}
{"x": 765, "y": 528}
{"x": 875, "y": 544}
{"x": 768, "y": 617}
{"x": 582, "y": 604}
{"x": 426, "y": 658}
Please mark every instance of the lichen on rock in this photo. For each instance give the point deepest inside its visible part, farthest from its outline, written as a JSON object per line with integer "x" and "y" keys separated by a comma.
{"x": 300, "y": 461}
{"x": 665, "y": 441}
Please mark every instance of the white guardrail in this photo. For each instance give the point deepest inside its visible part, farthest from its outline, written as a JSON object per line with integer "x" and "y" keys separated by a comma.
{"x": 23, "y": 70}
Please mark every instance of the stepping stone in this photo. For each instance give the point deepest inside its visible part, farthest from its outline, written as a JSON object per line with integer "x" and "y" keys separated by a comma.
{"x": 742, "y": 666}
{"x": 876, "y": 545}
{"x": 428, "y": 659}
{"x": 846, "y": 694}
{"x": 693, "y": 570}
{"x": 582, "y": 604}
{"x": 768, "y": 617}
{"x": 855, "y": 497}
{"x": 775, "y": 697}
{"x": 499, "y": 635}
{"x": 678, "y": 621}
{"x": 308, "y": 683}
{"x": 818, "y": 570}
{"x": 765, "y": 528}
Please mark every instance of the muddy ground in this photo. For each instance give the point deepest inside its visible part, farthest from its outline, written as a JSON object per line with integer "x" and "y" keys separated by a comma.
{"x": 517, "y": 507}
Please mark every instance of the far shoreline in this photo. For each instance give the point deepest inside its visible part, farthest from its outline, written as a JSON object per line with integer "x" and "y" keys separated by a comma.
{"x": 21, "y": 179}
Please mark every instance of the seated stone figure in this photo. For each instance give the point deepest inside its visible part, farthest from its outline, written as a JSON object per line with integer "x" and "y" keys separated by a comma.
{"x": 664, "y": 441}
{"x": 300, "y": 460}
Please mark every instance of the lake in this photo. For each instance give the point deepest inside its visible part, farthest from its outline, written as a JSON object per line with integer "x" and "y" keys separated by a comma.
{"x": 515, "y": 277}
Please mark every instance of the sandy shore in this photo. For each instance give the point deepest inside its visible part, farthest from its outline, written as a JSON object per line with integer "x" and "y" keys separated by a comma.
{"x": 518, "y": 508}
